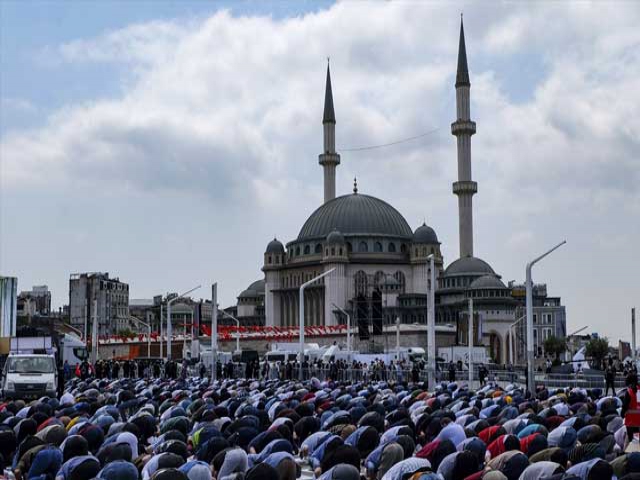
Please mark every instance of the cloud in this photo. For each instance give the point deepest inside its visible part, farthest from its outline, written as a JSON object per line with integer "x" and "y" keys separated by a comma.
{"x": 228, "y": 108}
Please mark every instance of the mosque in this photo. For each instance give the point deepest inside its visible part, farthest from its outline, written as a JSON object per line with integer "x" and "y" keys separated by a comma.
{"x": 373, "y": 250}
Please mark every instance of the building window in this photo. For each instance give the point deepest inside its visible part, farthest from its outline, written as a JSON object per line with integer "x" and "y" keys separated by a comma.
{"x": 363, "y": 247}
{"x": 399, "y": 276}
{"x": 392, "y": 247}
{"x": 377, "y": 247}
{"x": 340, "y": 251}
{"x": 269, "y": 261}
{"x": 318, "y": 248}
{"x": 403, "y": 248}
{"x": 360, "y": 281}
{"x": 307, "y": 249}
{"x": 333, "y": 250}
{"x": 349, "y": 247}
{"x": 297, "y": 251}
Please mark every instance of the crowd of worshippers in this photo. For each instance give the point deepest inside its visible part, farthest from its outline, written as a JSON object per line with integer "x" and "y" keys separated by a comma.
{"x": 191, "y": 429}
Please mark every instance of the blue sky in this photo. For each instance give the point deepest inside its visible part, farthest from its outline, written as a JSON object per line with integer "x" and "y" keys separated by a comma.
{"x": 167, "y": 142}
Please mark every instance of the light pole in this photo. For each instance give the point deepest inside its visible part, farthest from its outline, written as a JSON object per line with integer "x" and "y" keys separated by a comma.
{"x": 94, "y": 333}
{"x": 397, "y": 339}
{"x": 431, "y": 322}
{"x": 470, "y": 341}
{"x": 169, "y": 326}
{"x": 148, "y": 325}
{"x": 348, "y": 329}
{"x": 301, "y": 314}
{"x": 529, "y": 285}
{"x": 214, "y": 332}
{"x": 237, "y": 328}
{"x": 511, "y": 334}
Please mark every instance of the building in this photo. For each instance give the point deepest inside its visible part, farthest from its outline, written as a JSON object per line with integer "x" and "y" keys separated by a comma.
{"x": 373, "y": 253}
{"x": 8, "y": 306}
{"x": 95, "y": 293}
{"x": 380, "y": 265}
{"x": 35, "y": 302}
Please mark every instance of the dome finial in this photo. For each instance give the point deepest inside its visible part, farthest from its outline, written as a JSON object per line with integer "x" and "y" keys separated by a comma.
{"x": 355, "y": 185}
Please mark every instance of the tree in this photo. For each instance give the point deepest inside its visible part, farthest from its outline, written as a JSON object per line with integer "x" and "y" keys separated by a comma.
{"x": 555, "y": 346}
{"x": 597, "y": 349}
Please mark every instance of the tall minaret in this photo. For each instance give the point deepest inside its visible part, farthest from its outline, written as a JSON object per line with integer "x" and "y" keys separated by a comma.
{"x": 463, "y": 128}
{"x": 329, "y": 159}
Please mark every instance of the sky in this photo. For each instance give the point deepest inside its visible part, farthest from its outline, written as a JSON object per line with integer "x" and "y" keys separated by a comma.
{"x": 168, "y": 142}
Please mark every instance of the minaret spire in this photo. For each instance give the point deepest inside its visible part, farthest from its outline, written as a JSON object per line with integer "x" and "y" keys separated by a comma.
{"x": 329, "y": 114}
{"x": 329, "y": 159}
{"x": 462, "y": 75}
{"x": 463, "y": 128}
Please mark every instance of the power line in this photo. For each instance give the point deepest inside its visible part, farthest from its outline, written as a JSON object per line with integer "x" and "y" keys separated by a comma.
{"x": 371, "y": 147}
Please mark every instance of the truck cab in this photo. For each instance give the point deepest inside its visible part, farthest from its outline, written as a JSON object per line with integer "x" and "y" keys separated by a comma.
{"x": 29, "y": 376}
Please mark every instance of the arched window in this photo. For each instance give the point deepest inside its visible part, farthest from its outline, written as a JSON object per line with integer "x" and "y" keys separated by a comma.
{"x": 297, "y": 251}
{"x": 363, "y": 247}
{"x": 333, "y": 250}
{"x": 392, "y": 247}
{"x": 399, "y": 276}
{"x": 377, "y": 247}
{"x": 277, "y": 259}
{"x": 433, "y": 250}
{"x": 403, "y": 248}
{"x": 326, "y": 252}
{"x": 378, "y": 278}
{"x": 269, "y": 260}
{"x": 340, "y": 251}
{"x": 417, "y": 252}
{"x": 424, "y": 251}
{"x": 318, "y": 248}
{"x": 349, "y": 247}
{"x": 360, "y": 283}
{"x": 307, "y": 249}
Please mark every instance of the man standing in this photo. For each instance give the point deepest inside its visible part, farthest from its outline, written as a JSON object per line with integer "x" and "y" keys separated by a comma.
{"x": 610, "y": 376}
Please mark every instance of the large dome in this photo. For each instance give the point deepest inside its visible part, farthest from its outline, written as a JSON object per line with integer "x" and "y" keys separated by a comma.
{"x": 469, "y": 266}
{"x": 355, "y": 214}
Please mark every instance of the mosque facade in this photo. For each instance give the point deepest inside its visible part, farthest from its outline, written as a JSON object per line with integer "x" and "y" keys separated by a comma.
{"x": 373, "y": 252}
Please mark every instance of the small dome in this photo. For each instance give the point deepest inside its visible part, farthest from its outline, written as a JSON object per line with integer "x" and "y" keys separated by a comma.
{"x": 248, "y": 294}
{"x": 255, "y": 290}
{"x": 469, "y": 266}
{"x": 335, "y": 237}
{"x": 275, "y": 246}
{"x": 425, "y": 234}
{"x": 487, "y": 281}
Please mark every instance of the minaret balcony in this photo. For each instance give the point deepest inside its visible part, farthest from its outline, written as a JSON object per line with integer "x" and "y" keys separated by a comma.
{"x": 460, "y": 127}
{"x": 465, "y": 187}
{"x": 329, "y": 159}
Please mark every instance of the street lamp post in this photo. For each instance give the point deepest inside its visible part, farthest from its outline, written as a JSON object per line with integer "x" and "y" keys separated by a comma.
{"x": 470, "y": 341}
{"x": 512, "y": 335}
{"x": 301, "y": 314}
{"x": 431, "y": 322}
{"x": 237, "y": 328}
{"x": 94, "y": 333}
{"x": 148, "y": 325}
{"x": 169, "y": 326}
{"x": 348, "y": 329}
{"x": 529, "y": 303}
{"x": 214, "y": 332}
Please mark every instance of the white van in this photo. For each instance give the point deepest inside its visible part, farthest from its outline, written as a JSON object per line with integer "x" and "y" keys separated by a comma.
{"x": 29, "y": 376}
